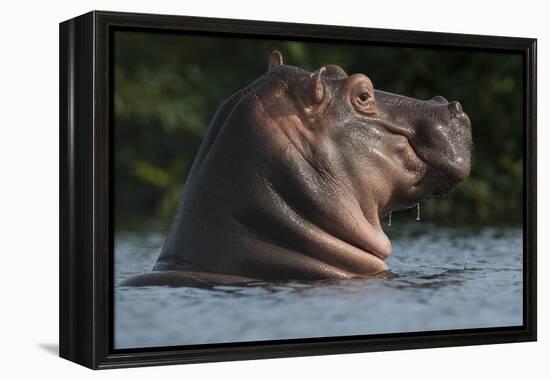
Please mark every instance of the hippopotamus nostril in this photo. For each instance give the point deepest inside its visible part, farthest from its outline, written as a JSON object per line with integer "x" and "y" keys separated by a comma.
{"x": 455, "y": 106}
{"x": 440, "y": 99}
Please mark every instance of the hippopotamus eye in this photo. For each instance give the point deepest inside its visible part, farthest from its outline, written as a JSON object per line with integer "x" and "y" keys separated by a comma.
{"x": 364, "y": 96}
{"x": 364, "y": 102}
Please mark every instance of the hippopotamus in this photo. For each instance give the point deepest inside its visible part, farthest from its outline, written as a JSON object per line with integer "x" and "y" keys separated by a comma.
{"x": 295, "y": 173}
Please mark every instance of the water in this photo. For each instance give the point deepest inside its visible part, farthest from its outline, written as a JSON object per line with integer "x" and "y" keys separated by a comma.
{"x": 446, "y": 278}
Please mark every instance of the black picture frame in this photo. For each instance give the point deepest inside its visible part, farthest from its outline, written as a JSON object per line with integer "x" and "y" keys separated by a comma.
{"x": 86, "y": 234}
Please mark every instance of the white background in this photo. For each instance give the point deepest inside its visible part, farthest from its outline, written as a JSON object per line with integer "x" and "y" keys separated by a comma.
{"x": 29, "y": 187}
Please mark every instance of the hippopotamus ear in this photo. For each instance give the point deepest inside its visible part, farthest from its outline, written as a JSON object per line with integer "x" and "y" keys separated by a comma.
{"x": 275, "y": 60}
{"x": 313, "y": 88}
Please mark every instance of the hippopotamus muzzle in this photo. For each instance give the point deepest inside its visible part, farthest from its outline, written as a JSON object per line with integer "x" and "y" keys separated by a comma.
{"x": 295, "y": 173}
{"x": 439, "y": 132}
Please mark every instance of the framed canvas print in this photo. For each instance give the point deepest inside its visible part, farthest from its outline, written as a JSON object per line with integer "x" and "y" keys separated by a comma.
{"x": 237, "y": 189}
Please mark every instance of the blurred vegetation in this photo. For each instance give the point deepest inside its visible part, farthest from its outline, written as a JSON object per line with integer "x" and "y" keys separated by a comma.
{"x": 168, "y": 86}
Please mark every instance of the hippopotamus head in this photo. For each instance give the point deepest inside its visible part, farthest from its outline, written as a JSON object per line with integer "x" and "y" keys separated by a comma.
{"x": 390, "y": 150}
{"x": 298, "y": 168}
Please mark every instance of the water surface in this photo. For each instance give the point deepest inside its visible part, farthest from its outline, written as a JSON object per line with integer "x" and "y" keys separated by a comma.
{"x": 445, "y": 278}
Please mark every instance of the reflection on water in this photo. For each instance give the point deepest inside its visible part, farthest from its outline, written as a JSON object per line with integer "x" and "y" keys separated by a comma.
{"x": 440, "y": 279}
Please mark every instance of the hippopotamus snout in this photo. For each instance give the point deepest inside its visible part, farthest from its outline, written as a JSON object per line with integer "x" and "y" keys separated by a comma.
{"x": 438, "y": 130}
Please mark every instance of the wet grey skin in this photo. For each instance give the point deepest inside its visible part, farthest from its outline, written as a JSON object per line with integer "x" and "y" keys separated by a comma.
{"x": 297, "y": 170}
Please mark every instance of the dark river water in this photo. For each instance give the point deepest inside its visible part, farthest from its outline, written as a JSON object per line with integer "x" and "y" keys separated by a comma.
{"x": 445, "y": 278}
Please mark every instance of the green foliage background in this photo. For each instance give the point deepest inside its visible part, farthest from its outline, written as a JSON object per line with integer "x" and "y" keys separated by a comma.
{"x": 168, "y": 86}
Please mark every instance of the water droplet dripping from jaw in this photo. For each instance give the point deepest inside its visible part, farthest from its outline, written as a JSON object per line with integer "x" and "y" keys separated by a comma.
{"x": 389, "y": 219}
{"x": 418, "y": 211}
